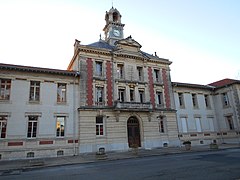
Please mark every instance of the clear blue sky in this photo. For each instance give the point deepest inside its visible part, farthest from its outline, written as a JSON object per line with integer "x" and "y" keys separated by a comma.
{"x": 200, "y": 37}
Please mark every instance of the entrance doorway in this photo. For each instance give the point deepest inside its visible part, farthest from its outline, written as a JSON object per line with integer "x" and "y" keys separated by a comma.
{"x": 133, "y": 132}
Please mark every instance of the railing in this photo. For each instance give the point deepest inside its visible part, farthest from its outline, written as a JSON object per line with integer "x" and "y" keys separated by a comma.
{"x": 133, "y": 105}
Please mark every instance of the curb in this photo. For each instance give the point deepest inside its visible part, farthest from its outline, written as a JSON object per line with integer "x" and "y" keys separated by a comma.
{"x": 16, "y": 170}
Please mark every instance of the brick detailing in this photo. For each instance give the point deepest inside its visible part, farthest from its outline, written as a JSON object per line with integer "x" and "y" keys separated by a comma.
{"x": 151, "y": 90}
{"x": 15, "y": 143}
{"x": 89, "y": 82}
{"x": 166, "y": 88}
{"x": 71, "y": 141}
{"x": 45, "y": 142}
{"x": 109, "y": 84}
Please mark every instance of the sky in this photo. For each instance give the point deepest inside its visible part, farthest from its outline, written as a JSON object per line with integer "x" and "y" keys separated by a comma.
{"x": 200, "y": 37}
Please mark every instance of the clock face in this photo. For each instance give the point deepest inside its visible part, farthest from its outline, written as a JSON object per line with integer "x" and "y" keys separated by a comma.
{"x": 116, "y": 32}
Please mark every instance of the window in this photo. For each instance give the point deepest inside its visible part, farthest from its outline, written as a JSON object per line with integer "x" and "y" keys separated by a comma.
{"x": 121, "y": 95}
{"x": 194, "y": 101}
{"x": 140, "y": 73}
{"x": 61, "y": 92}
{"x": 120, "y": 71}
{"x": 181, "y": 100}
{"x": 132, "y": 96}
{"x": 207, "y": 124}
{"x": 183, "y": 125}
{"x": 161, "y": 125}
{"x": 30, "y": 154}
{"x": 99, "y": 96}
{"x": 60, "y": 127}
{"x": 141, "y": 96}
{"x": 3, "y": 126}
{"x": 159, "y": 99}
{"x": 198, "y": 124}
{"x": 207, "y": 101}
{"x": 5, "y": 87}
{"x": 34, "y": 91}
{"x": 156, "y": 75}
{"x": 225, "y": 99}
{"x": 230, "y": 122}
{"x": 99, "y": 68}
{"x": 60, "y": 153}
{"x": 32, "y": 126}
{"x": 99, "y": 126}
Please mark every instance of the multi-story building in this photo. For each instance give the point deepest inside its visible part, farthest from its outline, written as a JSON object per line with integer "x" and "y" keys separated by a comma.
{"x": 208, "y": 113}
{"x": 38, "y": 108}
{"x": 113, "y": 96}
{"x": 126, "y": 95}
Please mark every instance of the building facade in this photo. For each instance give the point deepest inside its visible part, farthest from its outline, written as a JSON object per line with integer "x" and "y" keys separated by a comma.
{"x": 208, "y": 114}
{"x": 38, "y": 108}
{"x": 112, "y": 96}
{"x": 126, "y": 95}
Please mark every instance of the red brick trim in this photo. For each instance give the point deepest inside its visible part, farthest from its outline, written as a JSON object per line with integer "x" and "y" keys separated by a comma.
{"x": 15, "y": 143}
{"x": 109, "y": 84}
{"x": 71, "y": 141}
{"x": 45, "y": 142}
{"x": 150, "y": 79}
{"x": 166, "y": 88}
{"x": 89, "y": 82}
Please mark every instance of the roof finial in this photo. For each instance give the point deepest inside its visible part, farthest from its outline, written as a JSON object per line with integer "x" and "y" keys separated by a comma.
{"x": 112, "y": 3}
{"x": 100, "y": 36}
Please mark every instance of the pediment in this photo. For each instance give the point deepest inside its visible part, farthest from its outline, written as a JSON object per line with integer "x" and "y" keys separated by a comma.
{"x": 129, "y": 44}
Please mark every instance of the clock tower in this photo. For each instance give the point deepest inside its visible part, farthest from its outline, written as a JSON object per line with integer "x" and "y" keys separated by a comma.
{"x": 114, "y": 28}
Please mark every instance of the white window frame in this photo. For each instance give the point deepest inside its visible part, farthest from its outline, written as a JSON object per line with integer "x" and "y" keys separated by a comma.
{"x": 34, "y": 92}
{"x": 3, "y": 125}
{"x": 5, "y": 88}
{"x": 32, "y": 131}
{"x": 61, "y": 92}
{"x": 100, "y": 126}
{"x": 61, "y": 126}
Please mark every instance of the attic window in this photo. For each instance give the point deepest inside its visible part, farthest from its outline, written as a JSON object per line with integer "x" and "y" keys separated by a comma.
{"x": 115, "y": 16}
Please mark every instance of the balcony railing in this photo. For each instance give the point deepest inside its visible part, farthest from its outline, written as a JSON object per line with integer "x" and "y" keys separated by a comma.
{"x": 133, "y": 105}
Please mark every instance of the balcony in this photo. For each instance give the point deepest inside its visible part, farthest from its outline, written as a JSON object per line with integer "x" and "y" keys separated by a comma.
{"x": 138, "y": 106}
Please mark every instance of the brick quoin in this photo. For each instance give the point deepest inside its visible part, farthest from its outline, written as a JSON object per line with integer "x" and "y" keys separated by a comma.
{"x": 150, "y": 78}
{"x": 166, "y": 88}
{"x": 109, "y": 84}
{"x": 89, "y": 82}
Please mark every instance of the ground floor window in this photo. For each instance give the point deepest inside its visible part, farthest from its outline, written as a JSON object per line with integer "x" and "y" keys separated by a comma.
{"x": 60, "y": 127}
{"x": 32, "y": 126}
{"x": 230, "y": 124}
{"x": 99, "y": 126}
{"x": 3, "y": 126}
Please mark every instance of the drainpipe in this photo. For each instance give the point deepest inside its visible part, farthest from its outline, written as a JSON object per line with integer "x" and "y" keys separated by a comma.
{"x": 74, "y": 114}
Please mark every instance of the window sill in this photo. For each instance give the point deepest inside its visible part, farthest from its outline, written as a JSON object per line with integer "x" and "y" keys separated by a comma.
{"x": 62, "y": 103}
{"x": 5, "y": 101}
{"x": 34, "y": 102}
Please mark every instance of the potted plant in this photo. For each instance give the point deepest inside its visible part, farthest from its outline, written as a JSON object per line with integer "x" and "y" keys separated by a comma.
{"x": 187, "y": 145}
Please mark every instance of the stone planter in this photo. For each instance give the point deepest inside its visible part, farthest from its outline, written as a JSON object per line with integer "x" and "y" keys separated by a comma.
{"x": 213, "y": 146}
{"x": 187, "y": 145}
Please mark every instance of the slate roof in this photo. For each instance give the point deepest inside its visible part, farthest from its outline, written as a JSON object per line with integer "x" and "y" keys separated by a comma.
{"x": 104, "y": 45}
{"x": 37, "y": 69}
{"x": 101, "y": 44}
